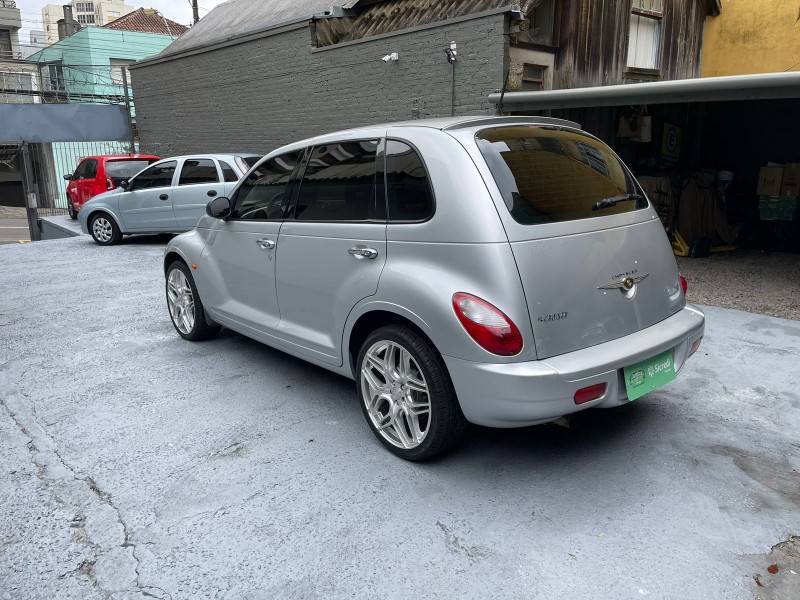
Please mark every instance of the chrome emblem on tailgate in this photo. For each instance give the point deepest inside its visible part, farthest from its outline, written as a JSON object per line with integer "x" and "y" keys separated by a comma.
{"x": 624, "y": 284}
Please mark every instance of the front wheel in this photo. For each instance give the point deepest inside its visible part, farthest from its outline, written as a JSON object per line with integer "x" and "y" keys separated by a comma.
{"x": 406, "y": 394}
{"x": 185, "y": 308}
{"x": 104, "y": 230}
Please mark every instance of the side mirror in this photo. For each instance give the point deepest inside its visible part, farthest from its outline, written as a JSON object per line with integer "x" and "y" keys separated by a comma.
{"x": 67, "y": 177}
{"x": 219, "y": 208}
{"x": 124, "y": 184}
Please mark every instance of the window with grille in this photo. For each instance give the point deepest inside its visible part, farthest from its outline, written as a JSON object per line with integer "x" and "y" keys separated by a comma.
{"x": 644, "y": 43}
{"x": 533, "y": 77}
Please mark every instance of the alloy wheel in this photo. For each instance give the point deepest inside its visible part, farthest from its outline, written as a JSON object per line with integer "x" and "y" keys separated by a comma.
{"x": 181, "y": 301}
{"x": 395, "y": 394}
{"x": 103, "y": 229}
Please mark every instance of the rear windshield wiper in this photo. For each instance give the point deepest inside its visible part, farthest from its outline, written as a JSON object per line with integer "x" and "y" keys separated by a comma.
{"x": 601, "y": 204}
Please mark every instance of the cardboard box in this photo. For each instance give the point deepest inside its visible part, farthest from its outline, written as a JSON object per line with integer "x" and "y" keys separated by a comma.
{"x": 790, "y": 185}
{"x": 769, "y": 181}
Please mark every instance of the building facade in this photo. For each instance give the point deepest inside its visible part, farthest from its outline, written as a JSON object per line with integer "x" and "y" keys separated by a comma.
{"x": 752, "y": 37}
{"x": 256, "y": 75}
{"x": 86, "y": 14}
{"x": 10, "y": 24}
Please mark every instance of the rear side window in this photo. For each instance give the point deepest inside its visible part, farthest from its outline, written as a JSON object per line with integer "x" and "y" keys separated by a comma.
{"x": 227, "y": 172}
{"x": 125, "y": 169}
{"x": 548, "y": 175}
{"x": 159, "y": 175}
{"x": 339, "y": 183}
{"x": 264, "y": 194}
{"x": 408, "y": 189}
{"x": 198, "y": 170}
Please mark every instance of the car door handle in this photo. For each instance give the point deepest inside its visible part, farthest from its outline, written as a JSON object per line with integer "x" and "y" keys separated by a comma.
{"x": 360, "y": 253}
{"x": 211, "y": 193}
{"x": 266, "y": 244}
{"x": 163, "y": 197}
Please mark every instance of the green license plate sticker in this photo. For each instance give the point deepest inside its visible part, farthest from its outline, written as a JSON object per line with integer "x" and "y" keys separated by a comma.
{"x": 649, "y": 374}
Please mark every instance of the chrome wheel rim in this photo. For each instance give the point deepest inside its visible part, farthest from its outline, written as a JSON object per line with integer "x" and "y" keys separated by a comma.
{"x": 395, "y": 394}
{"x": 181, "y": 301}
{"x": 102, "y": 229}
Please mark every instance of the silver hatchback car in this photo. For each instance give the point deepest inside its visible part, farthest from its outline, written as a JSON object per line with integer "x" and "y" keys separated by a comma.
{"x": 498, "y": 271}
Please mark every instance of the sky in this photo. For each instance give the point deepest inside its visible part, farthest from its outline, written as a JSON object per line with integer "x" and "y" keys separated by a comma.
{"x": 177, "y": 10}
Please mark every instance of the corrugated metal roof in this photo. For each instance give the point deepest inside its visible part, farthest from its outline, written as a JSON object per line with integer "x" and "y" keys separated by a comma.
{"x": 239, "y": 17}
{"x": 765, "y": 86}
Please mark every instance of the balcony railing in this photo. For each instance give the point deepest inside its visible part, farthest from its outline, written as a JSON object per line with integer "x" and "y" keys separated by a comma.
{"x": 8, "y": 4}
{"x": 10, "y": 54}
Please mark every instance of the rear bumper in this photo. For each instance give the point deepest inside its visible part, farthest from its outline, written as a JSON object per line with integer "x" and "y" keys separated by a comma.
{"x": 529, "y": 393}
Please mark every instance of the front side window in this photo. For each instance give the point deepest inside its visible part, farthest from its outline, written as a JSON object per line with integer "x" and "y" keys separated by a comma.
{"x": 80, "y": 172}
{"x": 91, "y": 169}
{"x": 198, "y": 170}
{"x": 547, "y": 175}
{"x": 644, "y": 41}
{"x": 408, "y": 189}
{"x": 339, "y": 183}
{"x": 159, "y": 175}
{"x": 264, "y": 195}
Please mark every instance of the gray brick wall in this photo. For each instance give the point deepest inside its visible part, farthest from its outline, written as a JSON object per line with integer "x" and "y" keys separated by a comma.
{"x": 261, "y": 94}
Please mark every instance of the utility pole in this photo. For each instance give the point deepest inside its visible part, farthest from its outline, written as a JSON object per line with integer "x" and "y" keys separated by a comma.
{"x": 31, "y": 202}
{"x": 195, "y": 12}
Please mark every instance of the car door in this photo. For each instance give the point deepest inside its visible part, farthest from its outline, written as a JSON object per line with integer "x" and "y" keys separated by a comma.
{"x": 332, "y": 250}
{"x": 145, "y": 205}
{"x": 199, "y": 182}
{"x": 87, "y": 185}
{"x": 74, "y": 185}
{"x": 236, "y": 275}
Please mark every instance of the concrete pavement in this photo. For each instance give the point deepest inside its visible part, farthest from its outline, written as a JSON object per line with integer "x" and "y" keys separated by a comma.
{"x": 13, "y": 231}
{"x": 135, "y": 464}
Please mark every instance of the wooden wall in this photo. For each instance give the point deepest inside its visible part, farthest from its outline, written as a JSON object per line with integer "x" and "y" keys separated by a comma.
{"x": 592, "y": 42}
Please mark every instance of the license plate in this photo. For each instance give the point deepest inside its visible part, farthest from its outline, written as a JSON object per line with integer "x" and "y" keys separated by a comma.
{"x": 652, "y": 373}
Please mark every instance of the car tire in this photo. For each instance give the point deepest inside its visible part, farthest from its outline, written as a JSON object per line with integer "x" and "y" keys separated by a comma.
{"x": 73, "y": 214}
{"x": 185, "y": 308}
{"x": 406, "y": 394}
{"x": 104, "y": 230}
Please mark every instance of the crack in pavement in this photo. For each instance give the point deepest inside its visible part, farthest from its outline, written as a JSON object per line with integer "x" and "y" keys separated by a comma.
{"x": 54, "y": 471}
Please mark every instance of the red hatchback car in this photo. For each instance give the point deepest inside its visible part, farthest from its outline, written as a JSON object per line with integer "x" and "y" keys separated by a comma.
{"x": 98, "y": 174}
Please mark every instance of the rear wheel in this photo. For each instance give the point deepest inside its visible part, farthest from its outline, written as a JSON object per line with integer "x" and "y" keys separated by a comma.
{"x": 73, "y": 214}
{"x": 185, "y": 308}
{"x": 104, "y": 230}
{"x": 406, "y": 394}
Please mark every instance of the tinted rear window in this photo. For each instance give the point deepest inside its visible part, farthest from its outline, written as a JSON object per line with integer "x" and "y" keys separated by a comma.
{"x": 548, "y": 175}
{"x": 124, "y": 169}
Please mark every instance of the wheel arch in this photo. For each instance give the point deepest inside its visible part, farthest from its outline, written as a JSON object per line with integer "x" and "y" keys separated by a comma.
{"x": 102, "y": 210}
{"x": 375, "y": 317}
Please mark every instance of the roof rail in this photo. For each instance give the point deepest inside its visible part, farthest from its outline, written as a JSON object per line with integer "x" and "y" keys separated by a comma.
{"x": 510, "y": 121}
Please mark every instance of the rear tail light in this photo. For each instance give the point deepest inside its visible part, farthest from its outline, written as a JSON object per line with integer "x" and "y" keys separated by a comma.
{"x": 695, "y": 346}
{"x": 684, "y": 283}
{"x": 110, "y": 185}
{"x": 587, "y": 394}
{"x": 487, "y": 325}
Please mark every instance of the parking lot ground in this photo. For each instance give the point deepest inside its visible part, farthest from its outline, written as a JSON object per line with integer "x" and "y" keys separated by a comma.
{"x": 135, "y": 464}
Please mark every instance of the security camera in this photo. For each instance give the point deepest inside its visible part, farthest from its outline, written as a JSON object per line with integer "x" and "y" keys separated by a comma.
{"x": 391, "y": 57}
{"x": 387, "y": 58}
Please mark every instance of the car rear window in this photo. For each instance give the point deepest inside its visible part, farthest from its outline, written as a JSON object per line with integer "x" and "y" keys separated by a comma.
{"x": 125, "y": 169}
{"x": 548, "y": 175}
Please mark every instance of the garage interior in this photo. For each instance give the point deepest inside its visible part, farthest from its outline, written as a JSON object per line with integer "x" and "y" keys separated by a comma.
{"x": 698, "y": 148}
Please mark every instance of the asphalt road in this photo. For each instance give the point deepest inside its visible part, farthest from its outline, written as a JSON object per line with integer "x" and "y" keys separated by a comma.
{"x": 135, "y": 464}
{"x": 13, "y": 231}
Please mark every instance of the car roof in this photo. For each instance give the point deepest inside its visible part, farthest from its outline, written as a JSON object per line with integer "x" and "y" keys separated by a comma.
{"x": 443, "y": 124}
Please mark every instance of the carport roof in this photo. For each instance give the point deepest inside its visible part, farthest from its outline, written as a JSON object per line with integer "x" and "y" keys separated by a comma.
{"x": 764, "y": 86}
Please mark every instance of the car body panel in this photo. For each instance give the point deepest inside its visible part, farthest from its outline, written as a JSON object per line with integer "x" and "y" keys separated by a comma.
{"x": 471, "y": 244}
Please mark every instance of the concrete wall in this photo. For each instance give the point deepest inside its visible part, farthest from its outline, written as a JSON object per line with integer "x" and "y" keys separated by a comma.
{"x": 752, "y": 37}
{"x": 261, "y": 94}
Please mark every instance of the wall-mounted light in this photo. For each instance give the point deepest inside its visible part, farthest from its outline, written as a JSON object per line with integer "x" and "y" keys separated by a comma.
{"x": 451, "y": 52}
{"x": 391, "y": 57}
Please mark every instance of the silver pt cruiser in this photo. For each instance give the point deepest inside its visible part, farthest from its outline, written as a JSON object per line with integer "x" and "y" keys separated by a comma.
{"x": 498, "y": 271}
